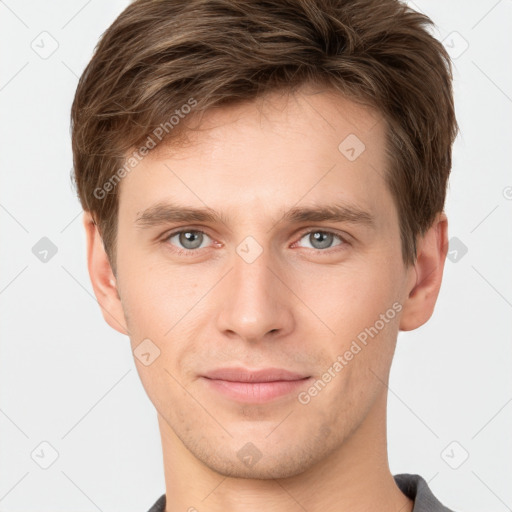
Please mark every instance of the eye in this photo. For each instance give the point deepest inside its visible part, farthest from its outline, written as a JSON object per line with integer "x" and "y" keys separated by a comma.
{"x": 187, "y": 240}
{"x": 319, "y": 239}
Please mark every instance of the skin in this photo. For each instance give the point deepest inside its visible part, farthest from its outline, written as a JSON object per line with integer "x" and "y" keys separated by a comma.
{"x": 297, "y": 306}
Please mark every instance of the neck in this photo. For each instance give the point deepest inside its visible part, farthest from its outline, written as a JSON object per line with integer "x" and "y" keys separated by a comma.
{"x": 354, "y": 477}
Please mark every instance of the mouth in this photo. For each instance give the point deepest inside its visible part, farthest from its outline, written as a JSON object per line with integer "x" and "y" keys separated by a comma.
{"x": 254, "y": 386}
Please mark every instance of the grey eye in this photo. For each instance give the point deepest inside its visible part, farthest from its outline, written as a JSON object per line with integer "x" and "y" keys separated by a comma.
{"x": 321, "y": 239}
{"x": 189, "y": 239}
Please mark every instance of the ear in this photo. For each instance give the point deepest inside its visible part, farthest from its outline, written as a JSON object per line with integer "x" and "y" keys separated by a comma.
{"x": 426, "y": 275}
{"x": 102, "y": 278}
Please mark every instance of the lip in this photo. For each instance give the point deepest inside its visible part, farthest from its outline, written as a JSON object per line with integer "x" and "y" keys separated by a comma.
{"x": 254, "y": 386}
{"x": 258, "y": 375}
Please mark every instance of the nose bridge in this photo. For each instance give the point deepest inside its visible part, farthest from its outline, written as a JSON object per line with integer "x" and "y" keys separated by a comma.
{"x": 254, "y": 300}
{"x": 252, "y": 279}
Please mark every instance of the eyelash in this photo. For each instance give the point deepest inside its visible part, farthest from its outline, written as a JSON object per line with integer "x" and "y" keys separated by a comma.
{"x": 193, "y": 252}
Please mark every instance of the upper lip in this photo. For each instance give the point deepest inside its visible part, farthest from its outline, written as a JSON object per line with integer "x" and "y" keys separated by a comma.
{"x": 257, "y": 375}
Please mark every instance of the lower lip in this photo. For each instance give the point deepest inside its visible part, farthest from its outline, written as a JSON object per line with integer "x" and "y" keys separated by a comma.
{"x": 255, "y": 392}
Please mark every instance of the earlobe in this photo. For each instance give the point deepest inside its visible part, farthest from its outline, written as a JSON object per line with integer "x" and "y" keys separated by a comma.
{"x": 102, "y": 278}
{"x": 426, "y": 275}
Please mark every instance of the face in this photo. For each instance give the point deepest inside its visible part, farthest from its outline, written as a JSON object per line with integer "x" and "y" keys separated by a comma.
{"x": 298, "y": 268}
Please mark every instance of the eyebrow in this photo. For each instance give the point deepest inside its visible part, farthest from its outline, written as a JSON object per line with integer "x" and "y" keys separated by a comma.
{"x": 164, "y": 213}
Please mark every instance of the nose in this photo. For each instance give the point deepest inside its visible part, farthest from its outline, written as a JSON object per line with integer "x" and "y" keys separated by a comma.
{"x": 256, "y": 302}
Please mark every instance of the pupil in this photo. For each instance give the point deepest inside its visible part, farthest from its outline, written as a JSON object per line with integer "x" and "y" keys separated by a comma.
{"x": 321, "y": 239}
{"x": 189, "y": 239}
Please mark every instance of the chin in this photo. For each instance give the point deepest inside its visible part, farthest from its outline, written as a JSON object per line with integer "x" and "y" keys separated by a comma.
{"x": 269, "y": 469}
{"x": 261, "y": 460}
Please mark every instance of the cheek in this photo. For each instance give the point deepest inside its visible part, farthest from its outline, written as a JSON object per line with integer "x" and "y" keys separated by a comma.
{"x": 155, "y": 294}
{"x": 350, "y": 297}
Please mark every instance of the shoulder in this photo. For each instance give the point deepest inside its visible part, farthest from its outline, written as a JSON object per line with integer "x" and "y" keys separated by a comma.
{"x": 159, "y": 505}
{"x": 416, "y": 488}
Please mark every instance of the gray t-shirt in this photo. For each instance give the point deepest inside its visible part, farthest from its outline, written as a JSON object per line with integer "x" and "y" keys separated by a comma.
{"x": 413, "y": 486}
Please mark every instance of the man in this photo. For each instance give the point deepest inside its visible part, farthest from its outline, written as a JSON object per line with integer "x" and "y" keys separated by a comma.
{"x": 263, "y": 186}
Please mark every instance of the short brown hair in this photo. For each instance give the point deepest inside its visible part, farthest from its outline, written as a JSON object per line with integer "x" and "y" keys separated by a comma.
{"x": 161, "y": 55}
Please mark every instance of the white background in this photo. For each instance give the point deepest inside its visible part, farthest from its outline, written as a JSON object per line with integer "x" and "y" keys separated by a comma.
{"x": 68, "y": 379}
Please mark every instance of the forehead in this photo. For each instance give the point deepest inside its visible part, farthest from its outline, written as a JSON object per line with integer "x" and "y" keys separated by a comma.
{"x": 298, "y": 118}
{"x": 278, "y": 151}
